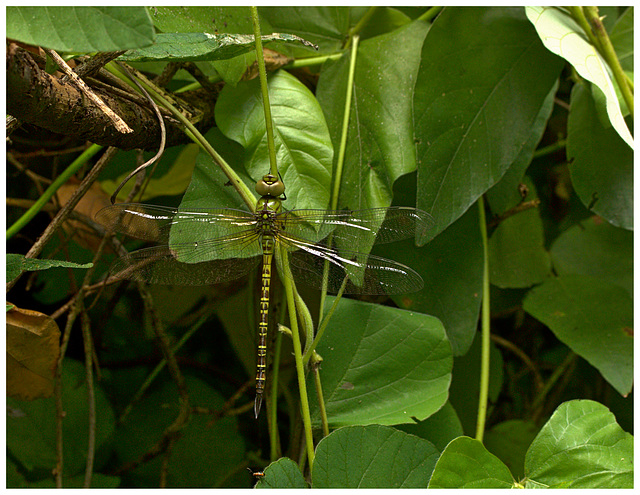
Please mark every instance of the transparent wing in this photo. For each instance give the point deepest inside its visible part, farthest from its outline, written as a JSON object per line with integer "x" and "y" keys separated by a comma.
{"x": 367, "y": 274}
{"x": 159, "y": 265}
{"x": 356, "y": 229}
{"x": 154, "y": 223}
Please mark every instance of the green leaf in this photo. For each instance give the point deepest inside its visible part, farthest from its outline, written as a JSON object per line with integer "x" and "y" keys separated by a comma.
{"x": 601, "y": 164}
{"x": 501, "y": 197}
{"x": 31, "y": 428}
{"x": 596, "y": 248}
{"x": 439, "y": 429}
{"x": 81, "y": 29}
{"x": 594, "y": 318}
{"x": 380, "y": 145}
{"x": 284, "y": 473}
{"x": 622, "y": 39}
{"x": 324, "y": 26}
{"x": 465, "y": 463}
{"x": 206, "y": 451}
{"x": 192, "y": 19}
{"x": 517, "y": 257}
{"x": 303, "y": 146}
{"x": 373, "y": 457}
{"x": 17, "y": 263}
{"x": 509, "y": 441}
{"x": 382, "y": 365}
{"x": 478, "y": 97}
{"x": 451, "y": 266}
{"x": 185, "y": 47}
{"x": 581, "y": 446}
{"x": 564, "y": 37}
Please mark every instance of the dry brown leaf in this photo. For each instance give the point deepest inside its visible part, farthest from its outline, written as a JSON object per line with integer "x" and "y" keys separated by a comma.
{"x": 272, "y": 61}
{"x": 33, "y": 348}
{"x": 93, "y": 201}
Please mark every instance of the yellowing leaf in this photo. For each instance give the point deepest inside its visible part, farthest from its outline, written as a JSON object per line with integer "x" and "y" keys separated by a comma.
{"x": 33, "y": 348}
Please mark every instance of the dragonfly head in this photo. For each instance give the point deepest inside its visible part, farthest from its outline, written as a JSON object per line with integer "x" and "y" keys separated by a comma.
{"x": 270, "y": 185}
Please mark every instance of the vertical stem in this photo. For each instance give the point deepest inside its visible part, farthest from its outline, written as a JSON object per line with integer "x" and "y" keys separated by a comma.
{"x": 297, "y": 352}
{"x": 486, "y": 329}
{"x": 265, "y": 91}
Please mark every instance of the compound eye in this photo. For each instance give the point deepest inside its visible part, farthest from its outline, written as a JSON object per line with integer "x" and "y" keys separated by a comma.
{"x": 270, "y": 185}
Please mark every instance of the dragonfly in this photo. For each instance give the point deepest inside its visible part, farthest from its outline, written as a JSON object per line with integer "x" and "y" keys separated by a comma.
{"x": 325, "y": 249}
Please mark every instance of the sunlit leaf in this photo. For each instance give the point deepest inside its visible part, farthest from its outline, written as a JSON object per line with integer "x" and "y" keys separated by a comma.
{"x": 81, "y": 29}
{"x": 466, "y": 463}
{"x": 562, "y": 35}
{"x": 581, "y": 446}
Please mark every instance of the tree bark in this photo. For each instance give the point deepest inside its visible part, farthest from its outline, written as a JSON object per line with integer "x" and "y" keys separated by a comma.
{"x": 38, "y": 98}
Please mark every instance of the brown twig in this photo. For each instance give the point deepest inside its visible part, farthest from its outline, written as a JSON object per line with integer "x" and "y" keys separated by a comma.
{"x": 119, "y": 124}
{"x": 69, "y": 206}
{"x": 519, "y": 208}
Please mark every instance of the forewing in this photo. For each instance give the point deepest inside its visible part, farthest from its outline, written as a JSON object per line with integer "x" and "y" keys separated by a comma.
{"x": 155, "y": 223}
{"x": 356, "y": 230}
{"x": 159, "y": 265}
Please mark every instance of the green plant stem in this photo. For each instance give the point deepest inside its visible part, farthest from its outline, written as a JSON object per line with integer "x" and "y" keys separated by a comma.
{"x": 311, "y": 61}
{"x": 609, "y": 54}
{"x": 51, "y": 190}
{"x": 265, "y": 91}
{"x": 486, "y": 328}
{"x": 323, "y": 409}
{"x": 578, "y": 15}
{"x": 297, "y": 352}
{"x": 193, "y": 133}
{"x": 430, "y": 14}
{"x": 552, "y": 148}
{"x": 555, "y": 376}
{"x": 337, "y": 174}
{"x": 361, "y": 24}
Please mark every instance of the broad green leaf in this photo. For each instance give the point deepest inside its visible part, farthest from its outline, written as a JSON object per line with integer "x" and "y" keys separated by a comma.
{"x": 594, "y": 318}
{"x": 193, "y": 19}
{"x": 439, "y": 429}
{"x": 501, "y": 196}
{"x": 373, "y": 457}
{"x": 451, "y": 266}
{"x": 185, "y": 47}
{"x": 283, "y": 473}
{"x": 509, "y": 441}
{"x": 595, "y": 247}
{"x": 380, "y": 145}
{"x": 465, "y": 463}
{"x": 81, "y": 29}
{"x": 563, "y": 36}
{"x": 517, "y": 257}
{"x": 303, "y": 146}
{"x": 382, "y": 365}
{"x": 17, "y": 263}
{"x": 465, "y": 383}
{"x": 601, "y": 164}
{"x": 622, "y": 39}
{"x": 477, "y": 101}
{"x": 383, "y": 20}
{"x": 581, "y": 446}
{"x": 31, "y": 428}
{"x": 327, "y": 27}
{"x": 206, "y": 451}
